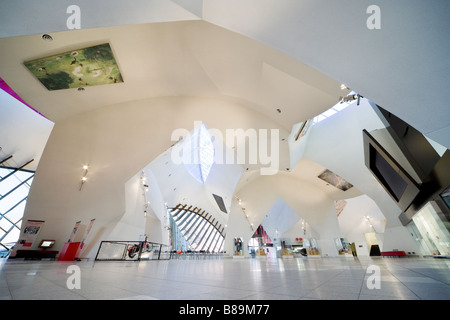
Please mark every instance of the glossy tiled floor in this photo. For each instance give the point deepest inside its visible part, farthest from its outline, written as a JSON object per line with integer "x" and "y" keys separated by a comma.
{"x": 230, "y": 279}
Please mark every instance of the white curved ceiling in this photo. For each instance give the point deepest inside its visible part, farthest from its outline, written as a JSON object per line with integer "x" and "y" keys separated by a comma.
{"x": 403, "y": 66}
{"x": 192, "y": 58}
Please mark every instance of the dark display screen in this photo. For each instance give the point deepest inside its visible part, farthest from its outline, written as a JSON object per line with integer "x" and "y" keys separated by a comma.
{"x": 388, "y": 176}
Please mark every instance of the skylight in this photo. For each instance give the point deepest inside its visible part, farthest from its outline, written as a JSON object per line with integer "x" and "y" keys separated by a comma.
{"x": 206, "y": 152}
{"x": 333, "y": 110}
{"x": 198, "y": 154}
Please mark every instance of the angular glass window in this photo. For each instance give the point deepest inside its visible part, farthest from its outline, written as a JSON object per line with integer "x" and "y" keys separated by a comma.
{"x": 198, "y": 153}
{"x": 202, "y": 235}
{"x": 14, "y": 189}
{"x": 333, "y": 110}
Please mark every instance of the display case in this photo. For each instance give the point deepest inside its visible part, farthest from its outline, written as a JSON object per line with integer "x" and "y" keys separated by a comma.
{"x": 238, "y": 247}
{"x": 312, "y": 249}
{"x": 343, "y": 247}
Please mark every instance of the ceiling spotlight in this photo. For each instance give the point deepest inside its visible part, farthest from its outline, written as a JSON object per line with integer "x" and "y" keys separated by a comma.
{"x": 343, "y": 87}
{"x": 47, "y": 37}
{"x": 84, "y": 177}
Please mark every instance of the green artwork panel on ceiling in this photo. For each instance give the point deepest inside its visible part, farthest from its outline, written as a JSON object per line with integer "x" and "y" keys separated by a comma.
{"x": 79, "y": 68}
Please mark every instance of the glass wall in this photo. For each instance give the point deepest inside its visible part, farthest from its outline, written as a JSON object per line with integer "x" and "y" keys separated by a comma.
{"x": 193, "y": 231}
{"x": 429, "y": 231}
{"x": 14, "y": 188}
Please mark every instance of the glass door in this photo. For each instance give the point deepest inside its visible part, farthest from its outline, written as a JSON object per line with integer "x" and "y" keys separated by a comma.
{"x": 434, "y": 236}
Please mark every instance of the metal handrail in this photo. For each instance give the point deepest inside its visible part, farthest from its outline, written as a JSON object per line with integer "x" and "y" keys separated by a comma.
{"x": 128, "y": 245}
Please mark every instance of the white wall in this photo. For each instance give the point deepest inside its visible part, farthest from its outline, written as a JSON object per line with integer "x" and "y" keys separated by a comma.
{"x": 117, "y": 142}
{"x": 309, "y": 202}
{"x": 157, "y": 221}
{"x": 354, "y": 224}
{"x": 237, "y": 227}
{"x": 132, "y": 223}
{"x": 297, "y": 231}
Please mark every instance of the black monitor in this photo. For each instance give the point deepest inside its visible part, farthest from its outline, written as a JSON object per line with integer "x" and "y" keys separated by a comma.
{"x": 46, "y": 244}
{"x": 395, "y": 180}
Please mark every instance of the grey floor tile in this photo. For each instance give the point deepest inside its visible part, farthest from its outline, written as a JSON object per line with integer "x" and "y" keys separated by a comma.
{"x": 229, "y": 279}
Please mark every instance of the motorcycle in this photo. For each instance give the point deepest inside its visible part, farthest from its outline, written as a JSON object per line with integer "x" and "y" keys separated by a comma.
{"x": 142, "y": 247}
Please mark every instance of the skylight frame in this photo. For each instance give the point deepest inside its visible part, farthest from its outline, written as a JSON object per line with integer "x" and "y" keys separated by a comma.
{"x": 333, "y": 110}
{"x": 199, "y": 153}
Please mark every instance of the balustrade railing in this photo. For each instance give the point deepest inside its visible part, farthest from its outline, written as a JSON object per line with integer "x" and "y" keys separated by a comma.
{"x": 132, "y": 251}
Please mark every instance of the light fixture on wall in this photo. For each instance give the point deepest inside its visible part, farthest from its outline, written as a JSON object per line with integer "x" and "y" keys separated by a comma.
{"x": 370, "y": 223}
{"x": 144, "y": 183}
{"x": 146, "y": 207}
{"x": 244, "y": 212}
{"x": 145, "y": 188}
{"x": 84, "y": 177}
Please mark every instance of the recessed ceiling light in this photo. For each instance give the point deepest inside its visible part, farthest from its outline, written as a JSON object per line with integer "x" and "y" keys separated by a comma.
{"x": 47, "y": 37}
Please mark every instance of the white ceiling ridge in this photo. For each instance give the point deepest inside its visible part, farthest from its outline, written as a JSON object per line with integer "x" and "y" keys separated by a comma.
{"x": 41, "y": 20}
{"x": 193, "y": 6}
{"x": 275, "y": 33}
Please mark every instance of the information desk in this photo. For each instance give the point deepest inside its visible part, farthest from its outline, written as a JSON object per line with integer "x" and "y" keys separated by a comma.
{"x": 36, "y": 254}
